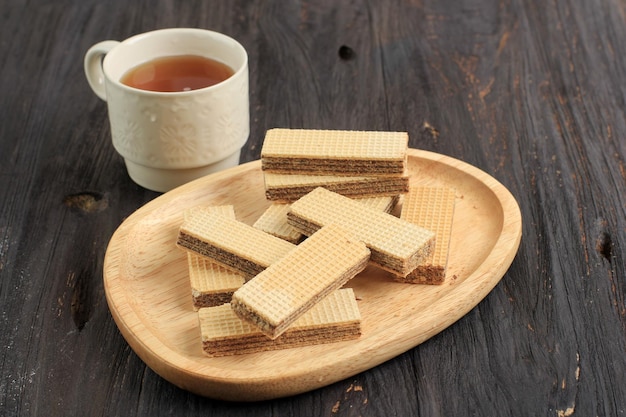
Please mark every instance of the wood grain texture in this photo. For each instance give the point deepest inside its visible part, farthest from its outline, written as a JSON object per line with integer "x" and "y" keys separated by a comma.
{"x": 531, "y": 92}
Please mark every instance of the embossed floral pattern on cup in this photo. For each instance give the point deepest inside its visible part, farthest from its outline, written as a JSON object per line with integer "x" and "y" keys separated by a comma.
{"x": 179, "y": 144}
{"x": 158, "y": 133}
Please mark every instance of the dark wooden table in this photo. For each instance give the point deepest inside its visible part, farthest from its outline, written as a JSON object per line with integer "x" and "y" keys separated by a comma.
{"x": 532, "y": 92}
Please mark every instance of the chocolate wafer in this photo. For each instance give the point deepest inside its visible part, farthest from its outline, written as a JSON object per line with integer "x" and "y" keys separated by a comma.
{"x": 290, "y": 187}
{"x": 292, "y": 285}
{"x": 397, "y": 245}
{"x": 274, "y": 221}
{"x": 274, "y": 218}
{"x": 433, "y": 209}
{"x": 385, "y": 204}
{"x": 233, "y": 244}
{"x": 337, "y": 152}
{"x": 211, "y": 284}
{"x": 335, "y": 318}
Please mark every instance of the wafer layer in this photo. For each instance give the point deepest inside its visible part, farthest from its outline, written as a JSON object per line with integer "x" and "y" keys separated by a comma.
{"x": 274, "y": 221}
{"x": 335, "y": 318}
{"x": 292, "y": 285}
{"x": 290, "y": 187}
{"x": 431, "y": 208}
{"x": 397, "y": 245}
{"x": 334, "y": 151}
{"x": 233, "y": 244}
{"x": 385, "y": 203}
{"x": 211, "y": 284}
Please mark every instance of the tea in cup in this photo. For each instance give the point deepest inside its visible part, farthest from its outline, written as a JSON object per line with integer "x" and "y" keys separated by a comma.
{"x": 177, "y": 101}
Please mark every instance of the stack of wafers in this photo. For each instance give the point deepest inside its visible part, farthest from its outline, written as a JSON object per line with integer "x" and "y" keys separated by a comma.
{"x": 335, "y": 318}
{"x": 279, "y": 283}
{"x": 296, "y": 292}
{"x": 351, "y": 163}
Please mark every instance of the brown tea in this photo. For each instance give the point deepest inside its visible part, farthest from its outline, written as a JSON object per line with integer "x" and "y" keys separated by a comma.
{"x": 177, "y": 73}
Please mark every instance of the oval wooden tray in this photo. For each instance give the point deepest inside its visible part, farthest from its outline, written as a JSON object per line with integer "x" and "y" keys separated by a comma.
{"x": 147, "y": 288}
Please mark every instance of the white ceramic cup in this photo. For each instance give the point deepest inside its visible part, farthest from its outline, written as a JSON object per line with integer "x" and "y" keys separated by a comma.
{"x": 170, "y": 138}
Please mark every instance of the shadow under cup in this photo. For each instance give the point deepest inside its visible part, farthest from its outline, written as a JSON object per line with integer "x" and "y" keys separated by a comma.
{"x": 170, "y": 138}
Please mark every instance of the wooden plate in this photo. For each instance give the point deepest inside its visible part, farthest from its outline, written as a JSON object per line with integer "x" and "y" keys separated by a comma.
{"x": 148, "y": 293}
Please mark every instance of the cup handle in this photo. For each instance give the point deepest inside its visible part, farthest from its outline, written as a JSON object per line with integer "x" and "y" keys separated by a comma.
{"x": 93, "y": 66}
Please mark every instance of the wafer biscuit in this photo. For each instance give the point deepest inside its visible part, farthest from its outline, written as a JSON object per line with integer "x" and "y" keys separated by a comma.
{"x": 274, "y": 221}
{"x": 431, "y": 208}
{"x": 335, "y": 318}
{"x": 397, "y": 245}
{"x": 338, "y": 152}
{"x": 290, "y": 187}
{"x": 211, "y": 284}
{"x": 385, "y": 204}
{"x": 291, "y": 286}
{"x": 231, "y": 243}
{"x": 274, "y": 218}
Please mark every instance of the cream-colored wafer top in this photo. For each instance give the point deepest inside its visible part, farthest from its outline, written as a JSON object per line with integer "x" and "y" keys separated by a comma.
{"x": 221, "y": 322}
{"x": 235, "y": 237}
{"x": 379, "y": 230}
{"x": 274, "y": 221}
{"x": 274, "y": 218}
{"x": 207, "y": 277}
{"x": 381, "y": 203}
{"x": 335, "y": 144}
{"x": 432, "y": 208}
{"x": 327, "y": 257}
